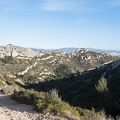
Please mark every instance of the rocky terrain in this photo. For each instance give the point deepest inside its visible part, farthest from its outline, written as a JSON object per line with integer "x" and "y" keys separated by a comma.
{"x": 98, "y": 88}
{"x": 73, "y": 74}
{"x": 11, "y": 110}
{"x": 45, "y": 65}
{"x": 17, "y": 52}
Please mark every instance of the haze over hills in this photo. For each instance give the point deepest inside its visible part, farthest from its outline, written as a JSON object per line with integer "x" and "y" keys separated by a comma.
{"x": 112, "y": 52}
{"x": 70, "y": 49}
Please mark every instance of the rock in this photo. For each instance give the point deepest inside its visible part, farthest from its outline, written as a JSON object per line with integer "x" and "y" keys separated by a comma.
{"x": 19, "y": 81}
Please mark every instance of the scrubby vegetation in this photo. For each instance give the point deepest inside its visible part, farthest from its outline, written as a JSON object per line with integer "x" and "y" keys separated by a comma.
{"x": 48, "y": 102}
{"x": 75, "y": 85}
{"x": 62, "y": 70}
{"x": 8, "y": 60}
{"x": 88, "y": 90}
{"x": 9, "y": 80}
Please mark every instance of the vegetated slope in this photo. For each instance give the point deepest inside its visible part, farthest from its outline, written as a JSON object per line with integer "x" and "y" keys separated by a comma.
{"x": 57, "y": 64}
{"x": 73, "y": 74}
{"x": 98, "y": 88}
{"x": 39, "y": 66}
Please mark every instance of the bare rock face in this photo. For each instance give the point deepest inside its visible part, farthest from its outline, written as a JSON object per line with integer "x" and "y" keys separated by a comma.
{"x": 18, "y": 52}
{"x": 19, "y": 81}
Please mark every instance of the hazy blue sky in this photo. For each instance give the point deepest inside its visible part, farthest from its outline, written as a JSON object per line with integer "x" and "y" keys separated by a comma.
{"x": 60, "y": 23}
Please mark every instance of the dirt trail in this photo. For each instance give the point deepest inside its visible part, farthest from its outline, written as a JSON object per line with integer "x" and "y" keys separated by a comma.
{"x": 11, "y": 110}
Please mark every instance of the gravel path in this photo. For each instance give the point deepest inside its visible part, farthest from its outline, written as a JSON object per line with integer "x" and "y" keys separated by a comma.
{"x": 11, "y": 110}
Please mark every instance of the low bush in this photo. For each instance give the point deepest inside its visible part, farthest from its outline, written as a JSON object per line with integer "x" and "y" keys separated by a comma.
{"x": 24, "y": 96}
{"x": 9, "y": 80}
{"x": 9, "y": 89}
{"x": 48, "y": 102}
{"x": 97, "y": 116}
{"x": 93, "y": 115}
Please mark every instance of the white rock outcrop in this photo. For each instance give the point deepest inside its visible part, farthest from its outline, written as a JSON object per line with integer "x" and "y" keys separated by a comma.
{"x": 19, "y": 52}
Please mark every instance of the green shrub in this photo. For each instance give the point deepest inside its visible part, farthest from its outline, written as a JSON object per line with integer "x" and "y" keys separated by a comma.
{"x": 93, "y": 115}
{"x": 97, "y": 116}
{"x": 48, "y": 102}
{"x": 9, "y": 80}
{"x": 102, "y": 85}
{"x": 8, "y": 60}
{"x": 53, "y": 104}
{"x": 62, "y": 70}
{"x": 85, "y": 112}
{"x": 24, "y": 96}
{"x": 103, "y": 95}
{"x": 27, "y": 96}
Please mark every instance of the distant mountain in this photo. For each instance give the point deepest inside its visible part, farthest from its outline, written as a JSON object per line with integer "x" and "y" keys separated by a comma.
{"x": 68, "y": 49}
{"x": 31, "y": 52}
{"x": 111, "y": 52}
{"x": 71, "y": 49}
{"x": 37, "y": 49}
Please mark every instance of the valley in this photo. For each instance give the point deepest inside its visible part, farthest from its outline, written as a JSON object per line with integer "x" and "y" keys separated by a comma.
{"x": 50, "y": 80}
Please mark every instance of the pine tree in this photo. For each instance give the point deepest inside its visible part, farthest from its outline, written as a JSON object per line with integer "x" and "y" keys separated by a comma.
{"x": 104, "y": 97}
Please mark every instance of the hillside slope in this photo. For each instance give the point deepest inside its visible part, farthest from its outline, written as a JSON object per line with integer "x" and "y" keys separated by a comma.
{"x": 80, "y": 89}
{"x": 76, "y": 75}
{"x": 48, "y": 65}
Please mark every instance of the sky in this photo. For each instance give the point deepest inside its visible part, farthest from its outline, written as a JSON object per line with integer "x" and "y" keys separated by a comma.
{"x": 52, "y": 24}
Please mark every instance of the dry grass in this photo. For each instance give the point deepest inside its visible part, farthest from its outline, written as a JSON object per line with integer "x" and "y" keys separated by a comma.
{"x": 97, "y": 116}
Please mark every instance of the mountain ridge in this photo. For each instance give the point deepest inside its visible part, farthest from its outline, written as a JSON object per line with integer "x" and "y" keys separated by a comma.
{"x": 50, "y": 64}
{"x": 70, "y": 49}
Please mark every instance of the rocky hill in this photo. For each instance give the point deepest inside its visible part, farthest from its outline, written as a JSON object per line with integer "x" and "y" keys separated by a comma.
{"x": 18, "y": 52}
{"x": 49, "y": 65}
{"x": 81, "y": 77}
{"x": 32, "y": 52}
